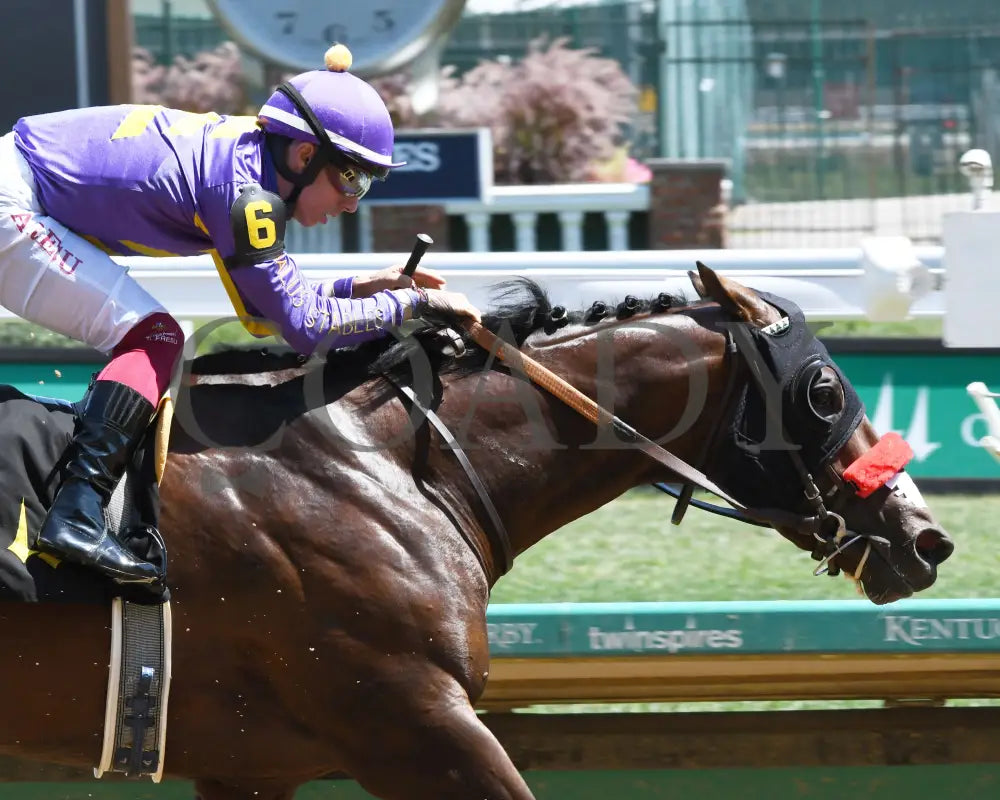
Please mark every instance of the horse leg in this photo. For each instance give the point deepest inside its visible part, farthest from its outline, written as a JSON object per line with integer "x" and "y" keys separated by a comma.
{"x": 445, "y": 753}
{"x": 217, "y": 790}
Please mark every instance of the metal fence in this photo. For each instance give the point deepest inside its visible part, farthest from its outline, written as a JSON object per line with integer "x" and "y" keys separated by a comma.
{"x": 836, "y": 126}
{"x": 167, "y": 35}
{"x": 852, "y": 130}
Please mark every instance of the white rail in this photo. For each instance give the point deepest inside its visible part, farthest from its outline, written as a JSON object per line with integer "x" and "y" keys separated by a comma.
{"x": 828, "y": 284}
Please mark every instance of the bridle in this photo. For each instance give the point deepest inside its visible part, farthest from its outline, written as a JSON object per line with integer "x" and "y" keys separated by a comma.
{"x": 825, "y": 526}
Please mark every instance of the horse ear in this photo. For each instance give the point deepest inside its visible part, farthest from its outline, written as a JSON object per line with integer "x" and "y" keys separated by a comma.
{"x": 735, "y": 298}
{"x": 699, "y": 285}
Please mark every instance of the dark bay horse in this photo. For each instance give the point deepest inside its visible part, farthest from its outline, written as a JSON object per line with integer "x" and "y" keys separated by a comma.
{"x": 330, "y": 569}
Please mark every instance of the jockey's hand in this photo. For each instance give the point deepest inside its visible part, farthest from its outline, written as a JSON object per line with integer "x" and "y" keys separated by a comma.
{"x": 451, "y": 304}
{"x": 393, "y": 278}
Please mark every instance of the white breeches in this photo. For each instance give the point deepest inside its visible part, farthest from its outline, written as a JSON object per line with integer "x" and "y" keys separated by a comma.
{"x": 56, "y": 278}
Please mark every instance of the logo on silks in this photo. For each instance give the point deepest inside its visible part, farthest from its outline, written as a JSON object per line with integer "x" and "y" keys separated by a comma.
{"x": 441, "y": 166}
{"x": 161, "y": 332}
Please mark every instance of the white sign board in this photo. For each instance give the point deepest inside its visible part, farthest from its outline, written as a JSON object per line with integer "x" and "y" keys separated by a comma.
{"x": 972, "y": 279}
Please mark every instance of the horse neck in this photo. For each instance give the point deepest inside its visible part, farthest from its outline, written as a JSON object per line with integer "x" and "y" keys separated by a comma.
{"x": 541, "y": 482}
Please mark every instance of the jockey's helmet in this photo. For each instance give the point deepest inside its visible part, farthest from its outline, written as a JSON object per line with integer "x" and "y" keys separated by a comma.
{"x": 339, "y": 112}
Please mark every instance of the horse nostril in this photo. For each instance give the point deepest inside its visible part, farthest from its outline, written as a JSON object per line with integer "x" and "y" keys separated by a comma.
{"x": 934, "y": 545}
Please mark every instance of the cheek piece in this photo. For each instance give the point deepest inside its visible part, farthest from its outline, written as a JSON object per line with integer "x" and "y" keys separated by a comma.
{"x": 880, "y": 466}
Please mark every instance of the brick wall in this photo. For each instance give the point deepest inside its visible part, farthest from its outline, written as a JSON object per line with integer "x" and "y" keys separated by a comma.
{"x": 686, "y": 208}
{"x": 394, "y": 228}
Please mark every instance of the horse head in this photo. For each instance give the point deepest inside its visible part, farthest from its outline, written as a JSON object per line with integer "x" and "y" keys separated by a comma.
{"x": 818, "y": 455}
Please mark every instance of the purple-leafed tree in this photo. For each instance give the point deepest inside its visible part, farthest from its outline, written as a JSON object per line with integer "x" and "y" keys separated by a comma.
{"x": 212, "y": 80}
{"x": 554, "y": 114}
{"x": 395, "y": 90}
{"x": 147, "y": 77}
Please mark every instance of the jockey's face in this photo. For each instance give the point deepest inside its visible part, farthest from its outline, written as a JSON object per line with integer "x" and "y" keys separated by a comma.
{"x": 322, "y": 198}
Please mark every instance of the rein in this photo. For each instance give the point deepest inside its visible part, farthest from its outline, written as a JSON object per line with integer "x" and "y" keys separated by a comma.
{"x": 583, "y": 405}
{"x": 501, "y": 539}
{"x": 828, "y": 528}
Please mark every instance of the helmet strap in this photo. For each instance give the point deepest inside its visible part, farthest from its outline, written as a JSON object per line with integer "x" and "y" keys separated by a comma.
{"x": 278, "y": 146}
{"x": 326, "y": 152}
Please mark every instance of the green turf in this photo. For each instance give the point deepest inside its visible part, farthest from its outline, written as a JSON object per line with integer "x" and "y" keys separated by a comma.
{"x": 629, "y": 551}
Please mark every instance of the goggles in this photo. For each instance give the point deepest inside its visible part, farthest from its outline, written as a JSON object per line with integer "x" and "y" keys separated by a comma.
{"x": 352, "y": 179}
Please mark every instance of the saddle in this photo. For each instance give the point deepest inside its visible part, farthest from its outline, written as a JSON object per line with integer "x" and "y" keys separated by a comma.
{"x": 34, "y": 435}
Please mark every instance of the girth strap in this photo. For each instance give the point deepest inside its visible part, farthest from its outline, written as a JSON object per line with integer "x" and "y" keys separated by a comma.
{"x": 500, "y": 539}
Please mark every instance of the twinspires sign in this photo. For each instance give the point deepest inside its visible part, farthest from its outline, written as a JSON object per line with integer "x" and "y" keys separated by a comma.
{"x": 441, "y": 166}
{"x": 722, "y": 628}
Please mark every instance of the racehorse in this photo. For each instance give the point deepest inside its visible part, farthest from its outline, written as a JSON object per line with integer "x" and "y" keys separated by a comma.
{"x": 330, "y": 566}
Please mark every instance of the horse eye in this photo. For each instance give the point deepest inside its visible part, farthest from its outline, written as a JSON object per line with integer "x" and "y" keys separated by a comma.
{"x": 826, "y": 395}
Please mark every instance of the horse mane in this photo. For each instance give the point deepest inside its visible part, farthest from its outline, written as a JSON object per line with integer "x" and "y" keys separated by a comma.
{"x": 520, "y": 308}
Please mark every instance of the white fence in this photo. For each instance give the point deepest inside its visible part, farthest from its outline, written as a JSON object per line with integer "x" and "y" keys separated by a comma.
{"x": 616, "y": 201}
{"x": 828, "y": 284}
{"x": 883, "y": 276}
{"x": 817, "y": 224}
{"x": 524, "y": 204}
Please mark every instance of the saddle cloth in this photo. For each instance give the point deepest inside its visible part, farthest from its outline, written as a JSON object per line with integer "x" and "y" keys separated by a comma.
{"x": 34, "y": 434}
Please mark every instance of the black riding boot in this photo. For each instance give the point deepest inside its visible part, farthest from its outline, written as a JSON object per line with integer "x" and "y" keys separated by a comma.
{"x": 112, "y": 422}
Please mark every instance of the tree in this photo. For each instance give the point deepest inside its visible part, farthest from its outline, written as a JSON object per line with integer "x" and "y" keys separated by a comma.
{"x": 213, "y": 80}
{"x": 147, "y": 77}
{"x": 395, "y": 91}
{"x": 554, "y": 115}
{"x": 557, "y": 115}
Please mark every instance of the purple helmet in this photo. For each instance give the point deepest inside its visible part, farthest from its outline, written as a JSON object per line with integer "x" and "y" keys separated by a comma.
{"x": 347, "y": 108}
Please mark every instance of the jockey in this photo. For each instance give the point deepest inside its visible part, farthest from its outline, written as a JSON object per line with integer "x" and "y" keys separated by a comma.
{"x": 78, "y": 185}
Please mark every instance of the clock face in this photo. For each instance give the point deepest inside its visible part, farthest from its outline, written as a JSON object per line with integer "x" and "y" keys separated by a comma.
{"x": 383, "y": 35}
